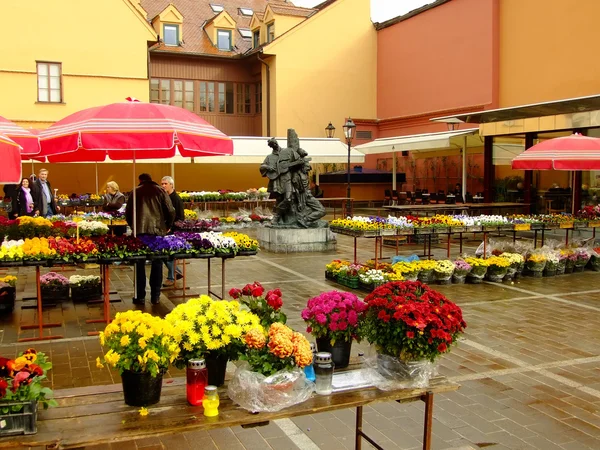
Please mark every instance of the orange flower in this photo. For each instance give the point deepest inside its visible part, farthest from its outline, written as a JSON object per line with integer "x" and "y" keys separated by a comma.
{"x": 255, "y": 339}
{"x": 302, "y": 352}
{"x": 279, "y": 328}
{"x": 280, "y": 340}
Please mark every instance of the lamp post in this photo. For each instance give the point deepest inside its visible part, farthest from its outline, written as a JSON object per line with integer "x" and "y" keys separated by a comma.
{"x": 349, "y": 130}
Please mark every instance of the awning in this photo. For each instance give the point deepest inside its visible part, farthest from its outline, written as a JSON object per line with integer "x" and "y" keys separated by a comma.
{"x": 253, "y": 150}
{"x": 422, "y": 142}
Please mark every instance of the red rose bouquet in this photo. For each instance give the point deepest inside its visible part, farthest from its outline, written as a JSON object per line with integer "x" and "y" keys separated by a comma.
{"x": 410, "y": 321}
{"x": 266, "y": 306}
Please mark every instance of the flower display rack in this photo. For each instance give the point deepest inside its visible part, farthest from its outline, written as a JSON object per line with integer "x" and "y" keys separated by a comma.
{"x": 23, "y": 421}
{"x": 85, "y": 293}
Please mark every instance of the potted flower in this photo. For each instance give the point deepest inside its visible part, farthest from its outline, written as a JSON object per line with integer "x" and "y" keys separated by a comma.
{"x": 426, "y": 268}
{"x": 54, "y": 287}
{"x": 267, "y": 307}
{"x": 141, "y": 347}
{"x": 516, "y": 262}
{"x": 408, "y": 270}
{"x": 461, "y": 269}
{"x": 570, "y": 258}
{"x": 552, "y": 261}
{"x": 11, "y": 253}
{"x": 246, "y": 246}
{"x": 213, "y": 330}
{"x": 583, "y": 256}
{"x": 497, "y": 268}
{"x": 371, "y": 278}
{"x": 410, "y": 324}
{"x": 535, "y": 264}
{"x": 443, "y": 271}
{"x": 8, "y": 293}
{"x": 333, "y": 318}
{"x": 85, "y": 287}
{"x": 271, "y": 378}
{"x": 594, "y": 260}
{"x": 21, "y": 390}
{"x": 478, "y": 269}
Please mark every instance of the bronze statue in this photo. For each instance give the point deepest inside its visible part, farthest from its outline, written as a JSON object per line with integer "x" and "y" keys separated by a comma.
{"x": 287, "y": 170}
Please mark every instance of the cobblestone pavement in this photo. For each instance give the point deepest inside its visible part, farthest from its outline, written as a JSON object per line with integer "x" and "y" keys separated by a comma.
{"x": 529, "y": 363}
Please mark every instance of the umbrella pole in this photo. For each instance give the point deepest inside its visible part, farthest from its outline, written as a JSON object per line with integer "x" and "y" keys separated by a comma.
{"x": 135, "y": 280}
{"x": 96, "y": 178}
{"x": 464, "y": 169}
{"x": 394, "y": 171}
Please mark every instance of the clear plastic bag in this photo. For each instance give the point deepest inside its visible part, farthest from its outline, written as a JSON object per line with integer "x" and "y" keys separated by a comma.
{"x": 258, "y": 393}
{"x": 388, "y": 373}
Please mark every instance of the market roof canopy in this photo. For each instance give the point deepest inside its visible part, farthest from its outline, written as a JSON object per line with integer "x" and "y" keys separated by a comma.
{"x": 253, "y": 150}
{"x": 422, "y": 142}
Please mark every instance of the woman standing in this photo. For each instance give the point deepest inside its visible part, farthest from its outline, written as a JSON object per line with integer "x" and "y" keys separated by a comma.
{"x": 22, "y": 201}
{"x": 113, "y": 199}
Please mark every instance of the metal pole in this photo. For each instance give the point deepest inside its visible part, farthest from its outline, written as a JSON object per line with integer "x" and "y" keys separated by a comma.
{"x": 96, "y": 178}
{"x": 394, "y": 170}
{"x": 464, "y": 169}
{"x": 348, "y": 207}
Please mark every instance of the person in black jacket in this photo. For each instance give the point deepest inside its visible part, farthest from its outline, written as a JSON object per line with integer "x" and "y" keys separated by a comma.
{"x": 43, "y": 196}
{"x": 22, "y": 200}
{"x": 168, "y": 184}
{"x": 113, "y": 199}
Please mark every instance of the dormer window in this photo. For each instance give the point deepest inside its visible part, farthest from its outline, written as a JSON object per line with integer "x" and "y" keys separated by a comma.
{"x": 271, "y": 32}
{"x": 224, "y": 40}
{"x": 246, "y": 33}
{"x": 217, "y": 8}
{"x": 246, "y": 12}
{"x": 256, "y": 38}
{"x": 171, "y": 35}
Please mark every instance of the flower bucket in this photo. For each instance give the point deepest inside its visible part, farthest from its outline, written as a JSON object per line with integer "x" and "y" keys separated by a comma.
{"x": 217, "y": 368}
{"x": 496, "y": 274}
{"x": 459, "y": 279}
{"x": 340, "y": 351}
{"x": 18, "y": 418}
{"x": 141, "y": 388}
{"x": 84, "y": 293}
{"x": 426, "y": 276}
{"x": 394, "y": 373}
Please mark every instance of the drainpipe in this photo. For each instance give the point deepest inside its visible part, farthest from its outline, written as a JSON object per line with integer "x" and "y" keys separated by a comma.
{"x": 268, "y": 93}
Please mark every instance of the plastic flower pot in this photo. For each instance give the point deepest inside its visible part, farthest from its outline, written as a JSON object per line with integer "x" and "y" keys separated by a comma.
{"x": 141, "y": 388}
{"x": 340, "y": 351}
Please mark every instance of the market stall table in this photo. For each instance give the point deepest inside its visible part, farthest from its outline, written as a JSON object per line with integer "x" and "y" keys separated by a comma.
{"x": 498, "y": 206}
{"x": 97, "y": 414}
{"x": 440, "y": 208}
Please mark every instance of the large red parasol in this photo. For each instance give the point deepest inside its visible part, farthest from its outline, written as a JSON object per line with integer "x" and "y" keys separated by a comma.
{"x": 28, "y": 141}
{"x": 10, "y": 161}
{"x": 132, "y": 130}
{"x": 575, "y": 152}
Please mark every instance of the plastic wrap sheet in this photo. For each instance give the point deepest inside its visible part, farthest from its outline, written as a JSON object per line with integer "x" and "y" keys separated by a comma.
{"x": 389, "y": 373}
{"x": 257, "y": 393}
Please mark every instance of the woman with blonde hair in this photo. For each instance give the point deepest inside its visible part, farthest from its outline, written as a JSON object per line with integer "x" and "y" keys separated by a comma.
{"x": 113, "y": 198}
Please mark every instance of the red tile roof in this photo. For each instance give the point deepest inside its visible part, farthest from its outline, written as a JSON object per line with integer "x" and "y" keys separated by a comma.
{"x": 197, "y": 13}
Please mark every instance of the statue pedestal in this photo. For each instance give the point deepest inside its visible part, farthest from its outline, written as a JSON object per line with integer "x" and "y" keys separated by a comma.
{"x": 291, "y": 240}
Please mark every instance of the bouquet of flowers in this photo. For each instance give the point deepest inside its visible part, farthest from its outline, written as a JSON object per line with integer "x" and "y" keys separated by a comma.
{"x": 583, "y": 256}
{"x": 516, "y": 261}
{"x": 266, "y": 307}
{"x": 334, "y": 315}
{"x": 138, "y": 342}
{"x": 408, "y": 270}
{"x": 535, "y": 263}
{"x": 272, "y": 377}
{"x": 443, "y": 271}
{"x": 552, "y": 261}
{"x": 497, "y": 268}
{"x": 22, "y": 380}
{"x": 208, "y": 328}
{"x": 479, "y": 268}
{"x": 461, "y": 269}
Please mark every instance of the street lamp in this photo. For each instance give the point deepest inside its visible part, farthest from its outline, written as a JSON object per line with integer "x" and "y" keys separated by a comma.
{"x": 329, "y": 130}
{"x": 453, "y": 124}
{"x": 349, "y": 130}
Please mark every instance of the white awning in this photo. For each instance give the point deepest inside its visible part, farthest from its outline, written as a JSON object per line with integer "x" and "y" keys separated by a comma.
{"x": 253, "y": 150}
{"x": 422, "y": 142}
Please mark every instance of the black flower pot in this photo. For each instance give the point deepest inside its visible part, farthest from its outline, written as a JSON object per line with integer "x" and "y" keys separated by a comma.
{"x": 340, "y": 351}
{"x": 217, "y": 367}
{"x": 141, "y": 388}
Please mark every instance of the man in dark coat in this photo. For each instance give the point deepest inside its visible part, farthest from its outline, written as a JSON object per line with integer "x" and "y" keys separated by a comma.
{"x": 154, "y": 215}
{"x": 43, "y": 196}
{"x": 168, "y": 184}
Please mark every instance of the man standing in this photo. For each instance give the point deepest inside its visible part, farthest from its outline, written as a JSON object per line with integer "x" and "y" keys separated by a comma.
{"x": 168, "y": 184}
{"x": 154, "y": 215}
{"x": 43, "y": 197}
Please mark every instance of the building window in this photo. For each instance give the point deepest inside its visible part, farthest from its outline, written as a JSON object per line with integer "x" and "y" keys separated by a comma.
{"x": 224, "y": 40}
{"x": 258, "y": 98}
{"x": 271, "y": 32}
{"x": 183, "y": 94}
{"x": 165, "y": 92}
{"x": 229, "y": 98}
{"x": 217, "y": 8}
{"x": 256, "y": 38}
{"x": 49, "y": 77}
{"x": 211, "y": 97}
{"x": 154, "y": 91}
{"x": 246, "y": 12}
{"x": 171, "y": 35}
{"x": 246, "y": 33}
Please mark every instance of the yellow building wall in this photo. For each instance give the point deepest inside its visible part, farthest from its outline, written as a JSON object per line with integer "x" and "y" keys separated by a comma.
{"x": 547, "y": 50}
{"x": 285, "y": 23}
{"x": 326, "y": 70}
{"x": 103, "y": 51}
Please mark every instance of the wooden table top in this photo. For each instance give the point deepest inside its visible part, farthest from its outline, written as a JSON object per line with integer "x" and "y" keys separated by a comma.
{"x": 433, "y": 206}
{"x": 98, "y": 414}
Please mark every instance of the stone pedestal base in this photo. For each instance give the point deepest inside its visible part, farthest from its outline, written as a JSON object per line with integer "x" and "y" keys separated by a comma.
{"x": 291, "y": 240}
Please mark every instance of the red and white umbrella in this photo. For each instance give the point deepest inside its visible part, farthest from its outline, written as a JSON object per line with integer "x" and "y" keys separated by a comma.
{"x": 132, "y": 130}
{"x": 575, "y": 152}
{"x": 29, "y": 142}
{"x": 10, "y": 161}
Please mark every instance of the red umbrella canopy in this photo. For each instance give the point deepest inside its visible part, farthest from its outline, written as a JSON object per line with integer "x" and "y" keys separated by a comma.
{"x": 575, "y": 152}
{"x": 129, "y": 130}
{"x": 28, "y": 141}
{"x": 10, "y": 161}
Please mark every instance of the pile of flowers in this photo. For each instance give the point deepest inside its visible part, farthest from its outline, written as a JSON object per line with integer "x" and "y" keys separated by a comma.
{"x": 461, "y": 268}
{"x": 444, "y": 270}
{"x": 169, "y": 244}
{"x": 37, "y": 249}
{"x": 92, "y": 228}
{"x": 372, "y": 277}
{"x": 83, "y": 281}
{"x": 206, "y": 327}
{"x": 53, "y": 280}
{"x": 478, "y": 266}
{"x": 138, "y": 342}
{"x": 196, "y": 240}
{"x": 266, "y": 306}
{"x": 243, "y": 241}
{"x": 12, "y": 250}
{"x": 22, "y": 379}
{"x": 536, "y": 262}
{"x": 497, "y": 268}
{"x": 334, "y": 315}
{"x": 222, "y": 244}
{"x": 410, "y": 321}
{"x": 189, "y": 214}
{"x": 11, "y": 280}
{"x": 119, "y": 246}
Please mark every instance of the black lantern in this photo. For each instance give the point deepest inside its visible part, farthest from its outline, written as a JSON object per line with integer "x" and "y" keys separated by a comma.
{"x": 329, "y": 130}
{"x": 349, "y": 130}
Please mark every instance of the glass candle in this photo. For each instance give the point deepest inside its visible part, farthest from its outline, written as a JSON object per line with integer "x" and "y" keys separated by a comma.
{"x": 211, "y": 401}
{"x": 196, "y": 380}
{"x": 324, "y": 373}
{"x": 309, "y": 370}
